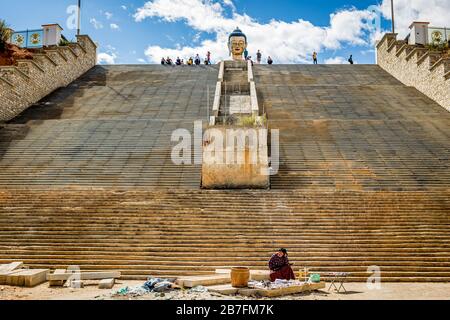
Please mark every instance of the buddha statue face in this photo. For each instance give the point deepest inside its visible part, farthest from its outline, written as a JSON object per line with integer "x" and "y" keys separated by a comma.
{"x": 237, "y": 45}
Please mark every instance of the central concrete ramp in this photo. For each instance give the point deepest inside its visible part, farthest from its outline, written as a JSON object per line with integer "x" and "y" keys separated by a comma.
{"x": 86, "y": 177}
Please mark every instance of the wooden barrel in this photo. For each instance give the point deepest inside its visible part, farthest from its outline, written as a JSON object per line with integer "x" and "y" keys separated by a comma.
{"x": 240, "y": 277}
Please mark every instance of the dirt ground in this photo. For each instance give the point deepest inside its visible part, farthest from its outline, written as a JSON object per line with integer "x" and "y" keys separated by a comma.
{"x": 14, "y": 53}
{"x": 355, "y": 291}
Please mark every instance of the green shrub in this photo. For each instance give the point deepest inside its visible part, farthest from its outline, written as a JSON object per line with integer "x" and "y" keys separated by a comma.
{"x": 438, "y": 47}
{"x": 63, "y": 42}
{"x": 5, "y": 34}
{"x": 252, "y": 121}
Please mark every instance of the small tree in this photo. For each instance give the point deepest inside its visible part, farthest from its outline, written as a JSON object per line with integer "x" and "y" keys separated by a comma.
{"x": 5, "y": 34}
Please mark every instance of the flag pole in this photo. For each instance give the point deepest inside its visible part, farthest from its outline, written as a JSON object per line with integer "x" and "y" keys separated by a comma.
{"x": 79, "y": 17}
{"x": 393, "y": 17}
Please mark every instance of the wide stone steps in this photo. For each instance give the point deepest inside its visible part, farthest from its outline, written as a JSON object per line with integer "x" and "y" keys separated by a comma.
{"x": 174, "y": 233}
{"x": 86, "y": 177}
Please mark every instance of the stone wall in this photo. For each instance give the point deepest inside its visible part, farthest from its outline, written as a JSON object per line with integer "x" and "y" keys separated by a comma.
{"x": 416, "y": 66}
{"x": 32, "y": 80}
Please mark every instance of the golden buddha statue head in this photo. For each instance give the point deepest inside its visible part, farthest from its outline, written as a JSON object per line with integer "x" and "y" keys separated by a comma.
{"x": 237, "y": 43}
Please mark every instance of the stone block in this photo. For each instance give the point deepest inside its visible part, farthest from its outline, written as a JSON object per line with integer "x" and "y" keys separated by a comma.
{"x": 106, "y": 283}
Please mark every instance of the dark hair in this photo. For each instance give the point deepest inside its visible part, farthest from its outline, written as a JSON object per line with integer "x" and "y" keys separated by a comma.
{"x": 283, "y": 250}
{"x": 237, "y": 33}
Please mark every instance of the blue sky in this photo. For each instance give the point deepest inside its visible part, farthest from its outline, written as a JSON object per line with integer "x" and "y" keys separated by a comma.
{"x": 176, "y": 30}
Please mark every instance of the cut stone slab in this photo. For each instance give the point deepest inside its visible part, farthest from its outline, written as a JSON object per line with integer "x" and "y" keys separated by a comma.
{"x": 210, "y": 280}
{"x": 57, "y": 283}
{"x": 85, "y": 275}
{"x": 247, "y": 292}
{"x": 10, "y": 267}
{"x": 225, "y": 289}
{"x": 27, "y": 278}
{"x": 250, "y": 292}
{"x": 289, "y": 290}
{"x": 3, "y": 276}
{"x": 106, "y": 283}
{"x": 77, "y": 284}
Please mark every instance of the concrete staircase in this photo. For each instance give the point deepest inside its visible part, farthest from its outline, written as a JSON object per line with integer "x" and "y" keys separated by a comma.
{"x": 86, "y": 177}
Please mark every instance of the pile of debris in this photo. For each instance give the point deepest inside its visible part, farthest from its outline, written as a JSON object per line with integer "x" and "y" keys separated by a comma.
{"x": 152, "y": 285}
{"x": 278, "y": 284}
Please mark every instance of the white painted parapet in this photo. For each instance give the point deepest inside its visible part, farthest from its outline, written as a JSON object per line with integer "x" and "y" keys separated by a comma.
{"x": 221, "y": 71}
{"x": 217, "y": 95}
{"x": 250, "y": 71}
{"x": 254, "y": 99}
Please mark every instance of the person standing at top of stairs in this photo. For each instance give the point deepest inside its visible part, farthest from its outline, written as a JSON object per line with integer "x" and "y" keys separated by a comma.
{"x": 258, "y": 57}
{"x": 197, "y": 60}
{"x": 350, "y": 60}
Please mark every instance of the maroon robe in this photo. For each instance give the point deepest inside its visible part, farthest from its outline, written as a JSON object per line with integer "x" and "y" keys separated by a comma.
{"x": 280, "y": 268}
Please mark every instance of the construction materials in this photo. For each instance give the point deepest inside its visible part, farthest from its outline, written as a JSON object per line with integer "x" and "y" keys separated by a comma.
{"x": 240, "y": 277}
{"x": 7, "y": 269}
{"x": 4, "y": 268}
{"x": 76, "y": 284}
{"x": 106, "y": 283}
{"x": 3, "y": 276}
{"x": 263, "y": 292}
{"x": 210, "y": 280}
{"x": 15, "y": 275}
{"x": 272, "y": 293}
{"x": 225, "y": 289}
{"x": 27, "y": 277}
{"x": 84, "y": 276}
{"x": 57, "y": 283}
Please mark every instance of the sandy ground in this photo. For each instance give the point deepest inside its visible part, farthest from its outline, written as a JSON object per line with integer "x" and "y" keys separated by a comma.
{"x": 356, "y": 291}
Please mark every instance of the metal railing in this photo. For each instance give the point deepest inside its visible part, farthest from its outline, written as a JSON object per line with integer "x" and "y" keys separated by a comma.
{"x": 437, "y": 36}
{"x": 28, "y": 38}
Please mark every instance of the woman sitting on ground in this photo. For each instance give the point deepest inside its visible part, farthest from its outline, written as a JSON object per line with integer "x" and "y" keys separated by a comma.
{"x": 279, "y": 266}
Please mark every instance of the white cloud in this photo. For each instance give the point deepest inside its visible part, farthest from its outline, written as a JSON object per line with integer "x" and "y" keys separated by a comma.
{"x": 123, "y": 7}
{"x": 437, "y": 12}
{"x": 108, "y": 55}
{"x": 108, "y": 15}
{"x": 286, "y": 42}
{"x": 114, "y": 26}
{"x": 230, "y": 4}
{"x": 336, "y": 60}
{"x": 106, "y": 58}
{"x": 96, "y": 24}
{"x": 141, "y": 60}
